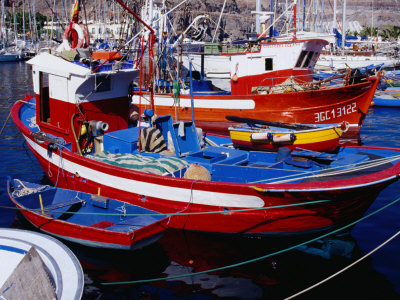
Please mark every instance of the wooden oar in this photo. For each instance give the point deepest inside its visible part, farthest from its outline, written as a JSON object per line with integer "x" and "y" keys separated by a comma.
{"x": 268, "y": 123}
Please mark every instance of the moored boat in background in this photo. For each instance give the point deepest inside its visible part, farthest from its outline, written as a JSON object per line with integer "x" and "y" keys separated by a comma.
{"x": 265, "y": 135}
{"x": 387, "y": 98}
{"x": 277, "y": 96}
{"x": 11, "y": 55}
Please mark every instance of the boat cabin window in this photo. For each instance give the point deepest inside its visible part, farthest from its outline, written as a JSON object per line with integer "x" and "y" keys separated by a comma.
{"x": 269, "y": 64}
{"x": 299, "y": 62}
{"x": 44, "y": 97}
{"x": 102, "y": 84}
{"x": 305, "y": 59}
{"x": 314, "y": 59}
{"x": 308, "y": 59}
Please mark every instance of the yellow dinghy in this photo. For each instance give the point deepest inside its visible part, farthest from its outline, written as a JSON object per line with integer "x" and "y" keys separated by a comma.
{"x": 270, "y": 136}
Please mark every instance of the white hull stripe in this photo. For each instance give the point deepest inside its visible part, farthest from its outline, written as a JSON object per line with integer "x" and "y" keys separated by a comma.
{"x": 150, "y": 189}
{"x": 198, "y": 103}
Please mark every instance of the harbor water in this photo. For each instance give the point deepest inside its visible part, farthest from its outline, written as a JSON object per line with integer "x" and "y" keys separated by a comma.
{"x": 269, "y": 272}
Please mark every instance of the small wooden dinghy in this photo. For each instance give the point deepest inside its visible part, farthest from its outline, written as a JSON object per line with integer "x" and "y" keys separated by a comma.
{"x": 37, "y": 266}
{"x": 265, "y": 135}
{"x": 87, "y": 219}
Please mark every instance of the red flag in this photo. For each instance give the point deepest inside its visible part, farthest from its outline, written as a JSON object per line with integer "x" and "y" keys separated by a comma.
{"x": 75, "y": 12}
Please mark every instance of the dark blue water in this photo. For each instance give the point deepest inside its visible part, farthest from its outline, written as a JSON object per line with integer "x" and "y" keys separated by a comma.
{"x": 177, "y": 253}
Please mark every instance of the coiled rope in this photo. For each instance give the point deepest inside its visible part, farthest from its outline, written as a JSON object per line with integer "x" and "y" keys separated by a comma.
{"x": 26, "y": 191}
{"x": 258, "y": 258}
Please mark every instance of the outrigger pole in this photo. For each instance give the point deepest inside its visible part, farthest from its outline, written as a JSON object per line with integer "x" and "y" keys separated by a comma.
{"x": 151, "y": 41}
{"x": 136, "y": 16}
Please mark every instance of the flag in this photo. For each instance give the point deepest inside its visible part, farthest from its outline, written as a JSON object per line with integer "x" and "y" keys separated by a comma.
{"x": 75, "y": 12}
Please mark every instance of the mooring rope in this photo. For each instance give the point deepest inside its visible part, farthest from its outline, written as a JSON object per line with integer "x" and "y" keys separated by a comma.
{"x": 5, "y": 123}
{"x": 8, "y": 117}
{"x": 345, "y": 268}
{"x": 257, "y": 258}
{"x": 180, "y": 213}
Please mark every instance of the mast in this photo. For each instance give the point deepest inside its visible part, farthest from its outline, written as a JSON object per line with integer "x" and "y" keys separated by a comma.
{"x": 23, "y": 20}
{"x": 315, "y": 15}
{"x": 151, "y": 43}
{"x": 343, "y": 26}
{"x": 15, "y": 25}
{"x": 52, "y": 22}
{"x": 151, "y": 13}
{"x": 219, "y": 21}
{"x": 34, "y": 21}
{"x": 258, "y": 9}
{"x": 2, "y": 22}
{"x": 304, "y": 15}
{"x": 372, "y": 19}
{"x": 294, "y": 19}
{"x": 334, "y": 15}
{"x": 322, "y": 16}
{"x": 271, "y": 9}
{"x": 30, "y": 20}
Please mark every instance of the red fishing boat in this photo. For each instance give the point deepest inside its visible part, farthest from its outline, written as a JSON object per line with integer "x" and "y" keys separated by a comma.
{"x": 284, "y": 94}
{"x": 77, "y": 126}
{"x": 267, "y": 79}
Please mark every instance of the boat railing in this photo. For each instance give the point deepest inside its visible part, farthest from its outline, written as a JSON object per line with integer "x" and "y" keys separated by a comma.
{"x": 220, "y": 48}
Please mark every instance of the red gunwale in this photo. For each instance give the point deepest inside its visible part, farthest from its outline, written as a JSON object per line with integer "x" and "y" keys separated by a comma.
{"x": 294, "y": 107}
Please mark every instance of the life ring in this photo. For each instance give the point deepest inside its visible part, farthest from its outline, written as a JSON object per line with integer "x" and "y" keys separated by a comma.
{"x": 75, "y": 37}
{"x": 86, "y": 42}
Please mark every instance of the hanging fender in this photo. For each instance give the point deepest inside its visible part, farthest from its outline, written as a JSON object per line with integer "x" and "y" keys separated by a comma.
{"x": 284, "y": 138}
{"x": 72, "y": 41}
{"x": 268, "y": 136}
{"x": 261, "y": 136}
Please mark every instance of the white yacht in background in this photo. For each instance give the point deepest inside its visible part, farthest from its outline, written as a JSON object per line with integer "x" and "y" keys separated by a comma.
{"x": 8, "y": 55}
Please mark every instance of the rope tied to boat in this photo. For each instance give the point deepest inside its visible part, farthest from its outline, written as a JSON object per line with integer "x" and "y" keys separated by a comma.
{"x": 122, "y": 209}
{"x": 345, "y": 268}
{"x": 23, "y": 190}
{"x": 264, "y": 256}
{"x": 187, "y": 206}
{"x": 9, "y": 115}
{"x": 181, "y": 213}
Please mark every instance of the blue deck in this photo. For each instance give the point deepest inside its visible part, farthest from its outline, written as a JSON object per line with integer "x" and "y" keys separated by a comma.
{"x": 89, "y": 210}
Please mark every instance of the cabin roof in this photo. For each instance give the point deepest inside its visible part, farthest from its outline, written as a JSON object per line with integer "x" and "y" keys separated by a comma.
{"x": 52, "y": 64}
